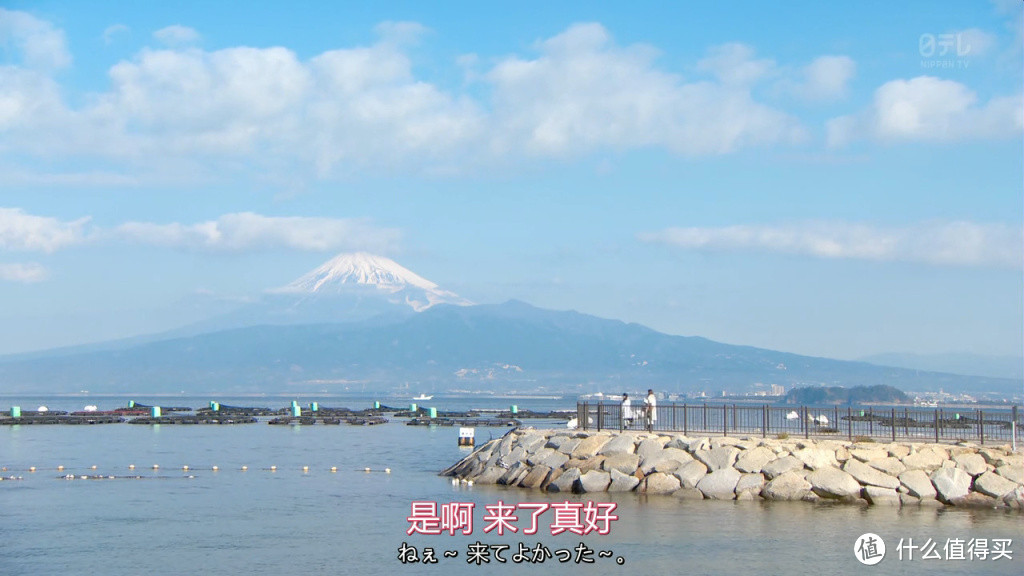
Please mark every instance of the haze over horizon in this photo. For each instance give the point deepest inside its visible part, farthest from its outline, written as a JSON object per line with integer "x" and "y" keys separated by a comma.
{"x": 853, "y": 193}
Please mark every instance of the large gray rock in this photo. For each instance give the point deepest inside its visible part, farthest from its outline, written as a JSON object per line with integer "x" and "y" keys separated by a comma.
{"x": 556, "y": 441}
{"x": 718, "y": 458}
{"x": 918, "y": 484}
{"x": 593, "y": 481}
{"x": 589, "y": 447}
{"x": 868, "y": 454}
{"x": 720, "y": 484}
{"x": 621, "y": 444}
{"x": 909, "y": 500}
{"x": 753, "y": 460}
{"x": 518, "y": 454}
{"x": 535, "y": 477}
{"x": 1015, "y": 499}
{"x": 878, "y": 496}
{"x": 490, "y": 475}
{"x": 514, "y": 474}
{"x": 688, "y": 494}
{"x": 831, "y": 482}
{"x": 569, "y": 445}
{"x": 680, "y": 442}
{"x": 661, "y": 483}
{"x": 817, "y": 458}
{"x": 505, "y": 446}
{"x": 1011, "y": 473}
{"x": 622, "y": 482}
{"x": 566, "y": 481}
{"x": 532, "y": 441}
{"x": 787, "y": 486}
{"x": 994, "y": 456}
{"x": 585, "y": 465}
{"x": 869, "y": 476}
{"x": 971, "y": 463}
{"x": 469, "y": 468}
{"x": 625, "y": 463}
{"x": 719, "y": 441}
{"x": 951, "y": 483}
{"x": 648, "y": 447}
{"x": 897, "y": 450}
{"x": 976, "y": 500}
{"x": 780, "y": 466}
{"x": 994, "y": 485}
{"x": 927, "y": 459}
{"x": 890, "y": 465}
{"x": 690, "y": 473}
{"x": 665, "y": 460}
{"x": 550, "y": 458}
{"x": 749, "y": 483}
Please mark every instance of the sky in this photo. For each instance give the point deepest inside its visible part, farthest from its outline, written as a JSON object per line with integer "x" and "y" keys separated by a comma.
{"x": 828, "y": 179}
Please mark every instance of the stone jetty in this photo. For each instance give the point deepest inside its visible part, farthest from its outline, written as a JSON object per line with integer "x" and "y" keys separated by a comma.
{"x": 750, "y": 468}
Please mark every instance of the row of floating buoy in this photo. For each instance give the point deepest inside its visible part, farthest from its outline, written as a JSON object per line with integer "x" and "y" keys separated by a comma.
{"x": 186, "y": 468}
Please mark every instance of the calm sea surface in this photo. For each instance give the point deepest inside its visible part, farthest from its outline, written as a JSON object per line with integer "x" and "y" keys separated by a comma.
{"x": 288, "y": 521}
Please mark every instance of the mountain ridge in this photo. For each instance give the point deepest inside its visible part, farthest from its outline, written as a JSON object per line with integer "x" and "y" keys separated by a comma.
{"x": 491, "y": 346}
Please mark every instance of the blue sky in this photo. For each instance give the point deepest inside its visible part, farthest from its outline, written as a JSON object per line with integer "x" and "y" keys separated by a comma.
{"x": 835, "y": 180}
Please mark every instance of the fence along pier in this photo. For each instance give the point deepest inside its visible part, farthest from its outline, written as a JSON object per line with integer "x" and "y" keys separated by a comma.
{"x": 888, "y": 424}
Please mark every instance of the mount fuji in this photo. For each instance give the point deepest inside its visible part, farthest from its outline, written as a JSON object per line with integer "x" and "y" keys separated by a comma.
{"x": 345, "y": 274}
{"x": 350, "y": 287}
{"x": 366, "y": 321}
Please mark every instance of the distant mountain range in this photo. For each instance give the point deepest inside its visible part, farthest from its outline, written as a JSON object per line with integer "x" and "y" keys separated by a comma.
{"x": 380, "y": 326}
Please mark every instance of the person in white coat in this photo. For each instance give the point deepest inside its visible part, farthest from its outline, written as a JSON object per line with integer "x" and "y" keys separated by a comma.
{"x": 651, "y": 409}
{"x": 627, "y": 412}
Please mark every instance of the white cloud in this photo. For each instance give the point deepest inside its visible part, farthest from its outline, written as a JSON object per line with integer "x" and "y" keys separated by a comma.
{"x": 825, "y": 78}
{"x": 584, "y": 92}
{"x": 39, "y": 43}
{"x": 976, "y": 42}
{"x": 734, "y": 64}
{"x": 365, "y": 107}
{"x": 946, "y": 243}
{"x": 113, "y": 30}
{"x": 187, "y": 111}
{"x": 29, "y": 101}
{"x": 24, "y": 273}
{"x": 236, "y": 232}
{"x": 246, "y": 231}
{"x": 931, "y": 109}
{"x": 26, "y": 232}
{"x": 177, "y": 35}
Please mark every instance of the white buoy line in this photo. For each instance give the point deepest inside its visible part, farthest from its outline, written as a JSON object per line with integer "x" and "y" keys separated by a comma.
{"x": 306, "y": 469}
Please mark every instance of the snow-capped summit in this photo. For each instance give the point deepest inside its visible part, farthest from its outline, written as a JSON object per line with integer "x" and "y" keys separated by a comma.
{"x": 355, "y": 272}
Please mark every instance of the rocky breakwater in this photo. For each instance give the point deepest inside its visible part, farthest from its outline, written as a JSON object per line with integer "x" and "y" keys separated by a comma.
{"x": 749, "y": 468}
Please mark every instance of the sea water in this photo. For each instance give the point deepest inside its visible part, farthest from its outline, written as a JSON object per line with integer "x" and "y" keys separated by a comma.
{"x": 263, "y": 521}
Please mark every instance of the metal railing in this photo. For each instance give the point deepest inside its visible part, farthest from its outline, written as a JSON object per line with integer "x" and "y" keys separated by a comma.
{"x": 914, "y": 424}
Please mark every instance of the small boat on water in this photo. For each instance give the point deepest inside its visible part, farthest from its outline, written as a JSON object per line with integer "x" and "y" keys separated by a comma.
{"x": 423, "y": 397}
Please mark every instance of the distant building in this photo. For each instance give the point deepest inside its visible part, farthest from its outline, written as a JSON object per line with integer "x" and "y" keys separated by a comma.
{"x": 778, "y": 390}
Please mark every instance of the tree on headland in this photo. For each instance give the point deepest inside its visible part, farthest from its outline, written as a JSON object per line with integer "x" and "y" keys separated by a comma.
{"x": 840, "y": 395}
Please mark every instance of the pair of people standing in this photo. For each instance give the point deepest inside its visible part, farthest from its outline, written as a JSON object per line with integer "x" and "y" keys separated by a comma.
{"x": 650, "y": 413}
